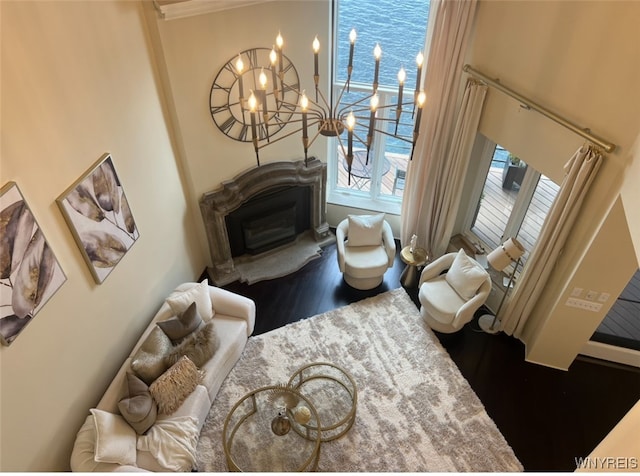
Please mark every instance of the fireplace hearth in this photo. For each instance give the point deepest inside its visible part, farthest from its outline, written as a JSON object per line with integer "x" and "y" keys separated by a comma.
{"x": 261, "y": 209}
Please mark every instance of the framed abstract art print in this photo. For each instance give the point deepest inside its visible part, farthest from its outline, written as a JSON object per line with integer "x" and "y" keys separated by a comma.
{"x": 98, "y": 214}
{"x": 29, "y": 271}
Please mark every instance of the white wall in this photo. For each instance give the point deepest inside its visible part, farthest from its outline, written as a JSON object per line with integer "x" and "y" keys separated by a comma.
{"x": 580, "y": 60}
{"x": 78, "y": 81}
{"x": 631, "y": 194}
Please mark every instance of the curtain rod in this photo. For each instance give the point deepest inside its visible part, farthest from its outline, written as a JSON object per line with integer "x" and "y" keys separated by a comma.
{"x": 606, "y": 145}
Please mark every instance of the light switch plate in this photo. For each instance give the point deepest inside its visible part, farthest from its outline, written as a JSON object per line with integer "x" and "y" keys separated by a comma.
{"x": 584, "y": 304}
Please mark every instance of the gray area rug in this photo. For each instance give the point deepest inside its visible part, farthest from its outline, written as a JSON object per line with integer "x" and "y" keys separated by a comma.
{"x": 280, "y": 261}
{"x": 415, "y": 411}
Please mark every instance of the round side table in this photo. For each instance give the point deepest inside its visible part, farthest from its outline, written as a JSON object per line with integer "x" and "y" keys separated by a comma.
{"x": 251, "y": 443}
{"x": 409, "y": 277}
{"x": 334, "y": 395}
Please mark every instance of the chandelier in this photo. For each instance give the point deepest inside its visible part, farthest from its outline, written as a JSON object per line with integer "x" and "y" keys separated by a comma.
{"x": 277, "y": 101}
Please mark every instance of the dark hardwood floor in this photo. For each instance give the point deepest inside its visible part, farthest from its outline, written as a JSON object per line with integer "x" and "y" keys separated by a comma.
{"x": 549, "y": 417}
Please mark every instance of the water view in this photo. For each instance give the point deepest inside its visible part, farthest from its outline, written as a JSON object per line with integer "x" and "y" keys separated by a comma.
{"x": 400, "y": 30}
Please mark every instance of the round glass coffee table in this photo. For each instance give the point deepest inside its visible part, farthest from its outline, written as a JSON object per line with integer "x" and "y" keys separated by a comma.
{"x": 334, "y": 395}
{"x": 261, "y": 432}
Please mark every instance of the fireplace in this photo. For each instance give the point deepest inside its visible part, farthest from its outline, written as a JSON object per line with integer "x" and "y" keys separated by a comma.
{"x": 268, "y": 220}
{"x": 262, "y": 208}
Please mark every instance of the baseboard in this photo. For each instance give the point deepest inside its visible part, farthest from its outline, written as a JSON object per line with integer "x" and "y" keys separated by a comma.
{"x": 611, "y": 353}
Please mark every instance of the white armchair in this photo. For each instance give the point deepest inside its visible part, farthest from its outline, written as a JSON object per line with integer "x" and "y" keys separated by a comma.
{"x": 368, "y": 252}
{"x": 450, "y": 299}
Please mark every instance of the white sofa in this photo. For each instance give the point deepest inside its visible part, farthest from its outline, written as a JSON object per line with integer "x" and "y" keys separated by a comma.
{"x": 233, "y": 321}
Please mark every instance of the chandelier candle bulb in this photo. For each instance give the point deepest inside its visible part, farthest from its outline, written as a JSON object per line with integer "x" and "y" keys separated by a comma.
{"x": 402, "y": 75}
{"x": 273, "y": 57}
{"x": 262, "y": 78}
{"x": 372, "y": 120}
{"x": 304, "y": 104}
{"x": 421, "y": 99}
{"x": 352, "y": 41}
{"x": 239, "y": 67}
{"x": 252, "y": 109}
{"x": 419, "y": 61}
{"x": 377, "y": 52}
{"x": 351, "y": 122}
{"x": 316, "y": 49}
{"x": 279, "y": 44}
{"x": 265, "y": 110}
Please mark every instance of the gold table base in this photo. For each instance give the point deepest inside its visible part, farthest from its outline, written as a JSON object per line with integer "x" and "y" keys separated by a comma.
{"x": 249, "y": 442}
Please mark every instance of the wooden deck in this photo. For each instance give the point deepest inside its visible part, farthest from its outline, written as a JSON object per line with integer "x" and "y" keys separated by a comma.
{"x": 397, "y": 162}
{"x": 621, "y": 326}
{"x": 495, "y": 209}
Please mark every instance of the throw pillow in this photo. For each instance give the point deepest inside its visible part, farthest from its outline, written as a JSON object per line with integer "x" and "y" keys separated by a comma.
{"x": 137, "y": 406}
{"x": 198, "y": 346}
{"x": 465, "y": 276}
{"x": 115, "y": 439}
{"x": 172, "y": 388}
{"x": 180, "y": 301}
{"x": 183, "y": 324}
{"x": 148, "y": 362}
{"x": 365, "y": 230}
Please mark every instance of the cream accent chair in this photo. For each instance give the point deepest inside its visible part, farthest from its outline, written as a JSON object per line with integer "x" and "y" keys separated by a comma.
{"x": 451, "y": 289}
{"x": 368, "y": 252}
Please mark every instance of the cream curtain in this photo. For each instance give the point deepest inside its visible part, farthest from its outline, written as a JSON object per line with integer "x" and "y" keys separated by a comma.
{"x": 451, "y": 31}
{"x": 445, "y": 183}
{"x": 579, "y": 174}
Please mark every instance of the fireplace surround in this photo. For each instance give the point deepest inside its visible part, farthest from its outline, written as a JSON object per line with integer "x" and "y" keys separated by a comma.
{"x": 217, "y": 204}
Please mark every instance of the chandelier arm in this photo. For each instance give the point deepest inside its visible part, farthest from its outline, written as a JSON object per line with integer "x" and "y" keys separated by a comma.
{"x": 288, "y": 134}
{"x": 293, "y": 106}
{"x": 345, "y": 87}
{"x": 324, "y": 100}
{"x": 311, "y": 111}
{"x": 356, "y": 136}
{"x": 320, "y": 111}
{"x": 315, "y": 136}
{"x": 355, "y": 103}
{"x": 342, "y": 149}
{"x": 403, "y": 139}
{"x": 392, "y": 119}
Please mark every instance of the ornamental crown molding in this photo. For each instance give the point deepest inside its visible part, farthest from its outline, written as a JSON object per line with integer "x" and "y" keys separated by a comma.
{"x": 172, "y": 9}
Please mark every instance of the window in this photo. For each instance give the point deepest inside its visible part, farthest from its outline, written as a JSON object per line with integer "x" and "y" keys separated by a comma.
{"x": 511, "y": 199}
{"x": 377, "y": 182}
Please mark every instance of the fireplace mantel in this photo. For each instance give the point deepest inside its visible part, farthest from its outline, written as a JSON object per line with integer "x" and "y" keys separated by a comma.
{"x": 217, "y": 204}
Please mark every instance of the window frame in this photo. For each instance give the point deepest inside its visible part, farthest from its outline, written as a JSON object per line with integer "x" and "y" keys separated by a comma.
{"x": 372, "y": 199}
{"x": 521, "y": 204}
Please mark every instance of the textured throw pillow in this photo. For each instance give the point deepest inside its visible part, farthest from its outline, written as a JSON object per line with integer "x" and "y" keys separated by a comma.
{"x": 137, "y": 406}
{"x": 465, "y": 276}
{"x": 365, "y": 230}
{"x": 198, "y": 346}
{"x": 183, "y": 324}
{"x": 180, "y": 301}
{"x": 115, "y": 439}
{"x": 175, "y": 385}
{"x": 148, "y": 362}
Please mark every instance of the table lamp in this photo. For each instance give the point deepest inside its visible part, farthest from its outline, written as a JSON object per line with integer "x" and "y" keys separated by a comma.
{"x": 508, "y": 252}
